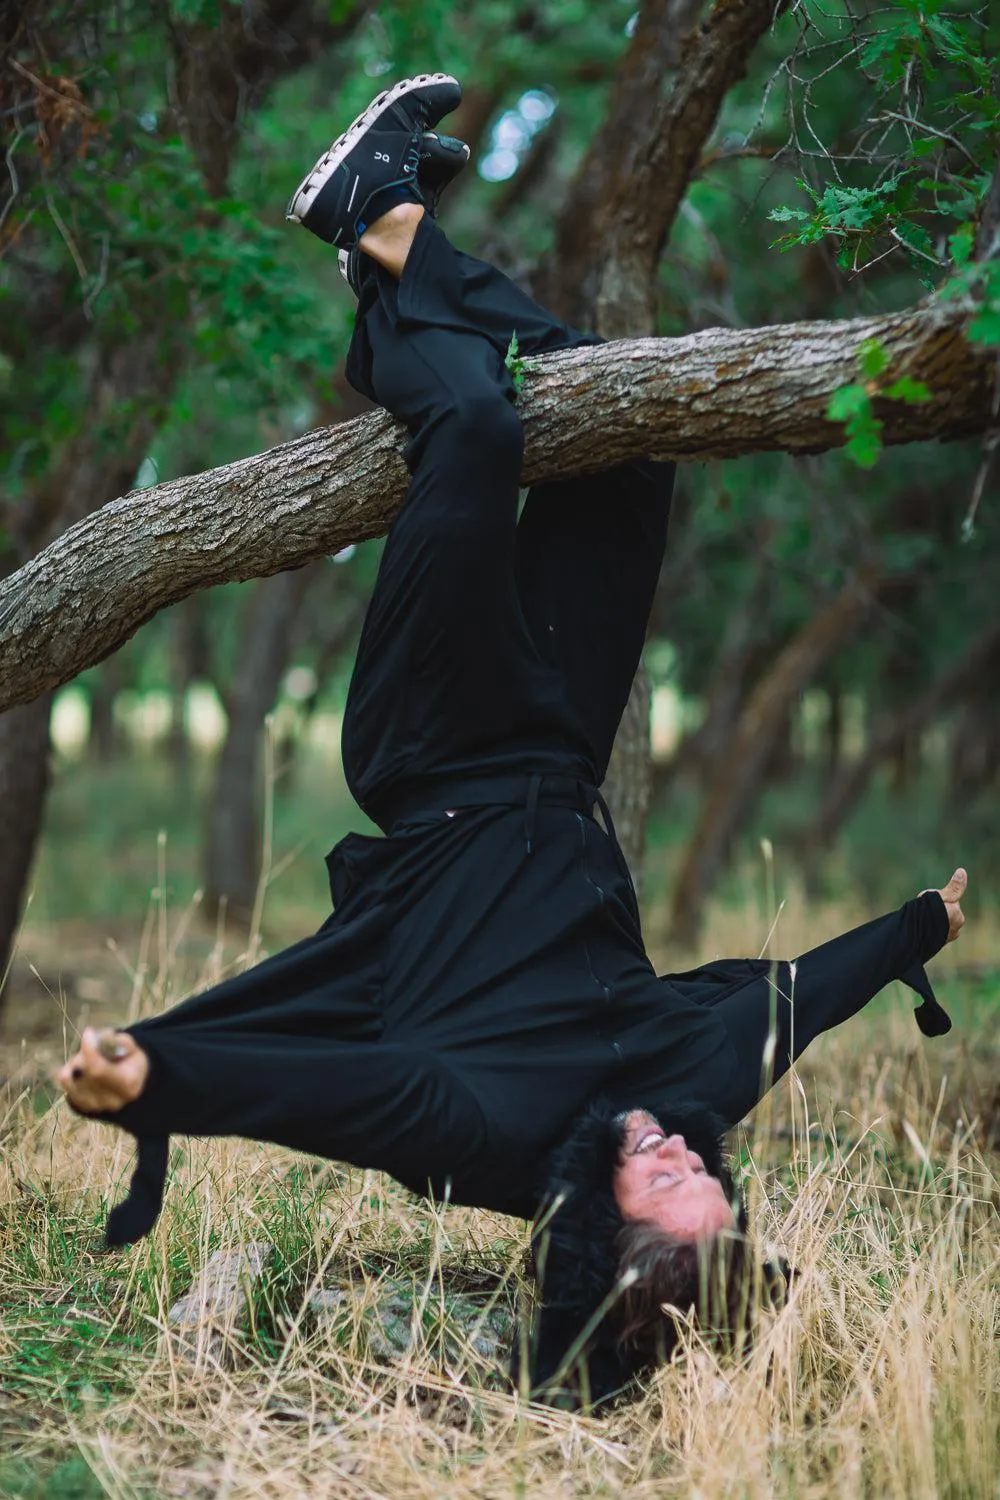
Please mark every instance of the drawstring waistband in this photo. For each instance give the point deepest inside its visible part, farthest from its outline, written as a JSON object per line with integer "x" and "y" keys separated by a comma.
{"x": 447, "y": 796}
{"x": 401, "y": 805}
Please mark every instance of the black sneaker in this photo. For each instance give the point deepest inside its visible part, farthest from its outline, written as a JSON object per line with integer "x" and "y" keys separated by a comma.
{"x": 442, "y": 157}
{"x": 379, "y": 152}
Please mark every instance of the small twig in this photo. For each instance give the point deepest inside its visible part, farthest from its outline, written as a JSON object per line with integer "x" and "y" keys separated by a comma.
{"x": 738, "y": 153}
{"x": 46, "y": 88}
{"x": 991, "y": 441}
{"x": 907, "y": 246}
{"x": 942, "y": 135}
{"x": 100, "y": 281}
{"x": 15, "y": 183}
{"x": 67, "y": 237}
{"x": 857, "y": 270}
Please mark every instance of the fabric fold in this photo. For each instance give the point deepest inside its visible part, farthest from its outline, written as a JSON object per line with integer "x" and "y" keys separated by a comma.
{"x": 138, "y": 1211}
{"x": 931, "y": 1016}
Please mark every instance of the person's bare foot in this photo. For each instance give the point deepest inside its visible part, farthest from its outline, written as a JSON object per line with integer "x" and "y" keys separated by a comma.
{"x": 108, "y": 1072}
{"x": 951, "y": 894}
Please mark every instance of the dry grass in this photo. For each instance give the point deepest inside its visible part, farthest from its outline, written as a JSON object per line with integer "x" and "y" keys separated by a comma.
{"x": 874, "y": 1169}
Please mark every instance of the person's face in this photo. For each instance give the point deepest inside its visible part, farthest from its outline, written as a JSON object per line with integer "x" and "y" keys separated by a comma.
{"x": 659, "y": 1181}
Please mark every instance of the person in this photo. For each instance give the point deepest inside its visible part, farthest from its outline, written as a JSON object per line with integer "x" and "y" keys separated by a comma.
{"x": 479, "y": 1017}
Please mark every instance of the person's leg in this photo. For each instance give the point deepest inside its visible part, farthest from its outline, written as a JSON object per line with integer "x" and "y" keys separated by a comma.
{"x": 589, "y": 553}
{"x": 444, "y": 288}
{"x": 448, "y": 673}
{"x": 588, "y": 550}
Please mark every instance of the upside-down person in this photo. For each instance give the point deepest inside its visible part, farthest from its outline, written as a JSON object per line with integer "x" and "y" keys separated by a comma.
{"x": 478, "y": 1017}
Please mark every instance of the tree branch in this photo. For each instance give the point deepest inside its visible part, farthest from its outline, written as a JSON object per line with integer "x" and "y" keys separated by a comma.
{"x": 568, "y": 282}
{"x": 715, "y": 394}
{"x": 225, "y": 65}
{"x": 630, "y": 186}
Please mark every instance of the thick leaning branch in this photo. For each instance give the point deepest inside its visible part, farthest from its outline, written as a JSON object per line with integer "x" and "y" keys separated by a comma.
{"x": 716, "y": 394}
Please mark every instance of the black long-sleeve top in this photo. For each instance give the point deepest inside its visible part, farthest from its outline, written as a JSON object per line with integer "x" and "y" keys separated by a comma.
{"x": 468, "y": 997}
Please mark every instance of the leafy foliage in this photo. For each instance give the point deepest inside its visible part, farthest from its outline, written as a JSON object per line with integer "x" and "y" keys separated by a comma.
{"x": 911, "y": 177}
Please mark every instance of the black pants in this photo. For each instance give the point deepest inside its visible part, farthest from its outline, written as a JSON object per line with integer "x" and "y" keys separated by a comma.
{"x": 494, "y": 642}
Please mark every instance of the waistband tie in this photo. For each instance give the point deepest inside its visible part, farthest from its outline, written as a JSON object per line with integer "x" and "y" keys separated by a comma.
{"x": 449, "y": 795}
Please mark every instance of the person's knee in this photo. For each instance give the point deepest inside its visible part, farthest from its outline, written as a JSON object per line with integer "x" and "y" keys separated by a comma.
{"x": 484, "y": 422}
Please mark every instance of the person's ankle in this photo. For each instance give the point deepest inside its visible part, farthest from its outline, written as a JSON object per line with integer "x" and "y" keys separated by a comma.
{"x": 388, "y": 240}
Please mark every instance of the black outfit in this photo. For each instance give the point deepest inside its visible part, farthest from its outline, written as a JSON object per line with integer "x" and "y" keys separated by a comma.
{"x": 483, "y": 975}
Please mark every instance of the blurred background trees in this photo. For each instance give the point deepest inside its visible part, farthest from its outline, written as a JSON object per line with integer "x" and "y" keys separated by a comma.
{"x": 825, "y": 649}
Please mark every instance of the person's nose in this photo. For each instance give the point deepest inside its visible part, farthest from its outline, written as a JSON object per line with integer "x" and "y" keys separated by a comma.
{"x": 672, "y": 1149}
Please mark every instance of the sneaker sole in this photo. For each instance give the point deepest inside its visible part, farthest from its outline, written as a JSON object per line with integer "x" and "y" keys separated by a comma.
{"x": 305, "y": 194}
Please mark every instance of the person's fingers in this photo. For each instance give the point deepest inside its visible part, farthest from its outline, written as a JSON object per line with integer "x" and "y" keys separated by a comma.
{"x": 100, "y": 1053}
{"x": 109, "y": 1071}
{"x": 956, "y": 887}
{"x": 114, "y": 1046}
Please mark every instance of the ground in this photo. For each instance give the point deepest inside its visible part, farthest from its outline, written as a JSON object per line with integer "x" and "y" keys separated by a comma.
{"x": 874, "y": 1168}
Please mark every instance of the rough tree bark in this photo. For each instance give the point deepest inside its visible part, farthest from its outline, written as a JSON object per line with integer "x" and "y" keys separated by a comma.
{"x": 651, "y": 154}
{"x": 714, "y": 394}
{"x": 24, "y": 781}
{"x": 730, "y": 791}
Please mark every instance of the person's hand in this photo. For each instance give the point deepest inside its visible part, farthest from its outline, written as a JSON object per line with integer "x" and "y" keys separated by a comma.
{"x": 951, "y": 894}
{"x": 109, "y": 1071}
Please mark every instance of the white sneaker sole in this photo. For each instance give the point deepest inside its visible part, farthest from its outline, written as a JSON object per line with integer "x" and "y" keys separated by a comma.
{"x": 305, "y": 194}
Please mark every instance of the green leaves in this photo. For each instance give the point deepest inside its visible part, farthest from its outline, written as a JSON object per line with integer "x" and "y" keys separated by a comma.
{"x": 852, "y": 404}
{"x": 919, "y": 162}
{"x": 872, "y": 359}
{"x": 978, "y": 284}
{"x": 911, "y": 392}
{"x": 515, "y": 364}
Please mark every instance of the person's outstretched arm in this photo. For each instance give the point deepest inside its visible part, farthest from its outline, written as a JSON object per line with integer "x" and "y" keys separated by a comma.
{"x": 771, "y": 1021}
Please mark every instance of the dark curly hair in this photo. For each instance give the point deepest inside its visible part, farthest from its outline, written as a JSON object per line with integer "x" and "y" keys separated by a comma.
{"x": 604, "y": 1283}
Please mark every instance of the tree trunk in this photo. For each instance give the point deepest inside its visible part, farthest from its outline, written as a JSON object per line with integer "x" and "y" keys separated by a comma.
{"x": 24, "y": 782}
{"x": 630, "y": 779}
{"x": 605, "y": 277}
{"x": 833, "y": 729}
{"x": 105, "y": 737}
{"x": 233, "y": 847}
{"x": 733, "y": 788}
{"x": 333, "y": 637}
{"x": 974, "y": 760}
{"x": 727, "y": 688}
{"x": 847, "y": 789}
{"x": 190, "y": 661}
